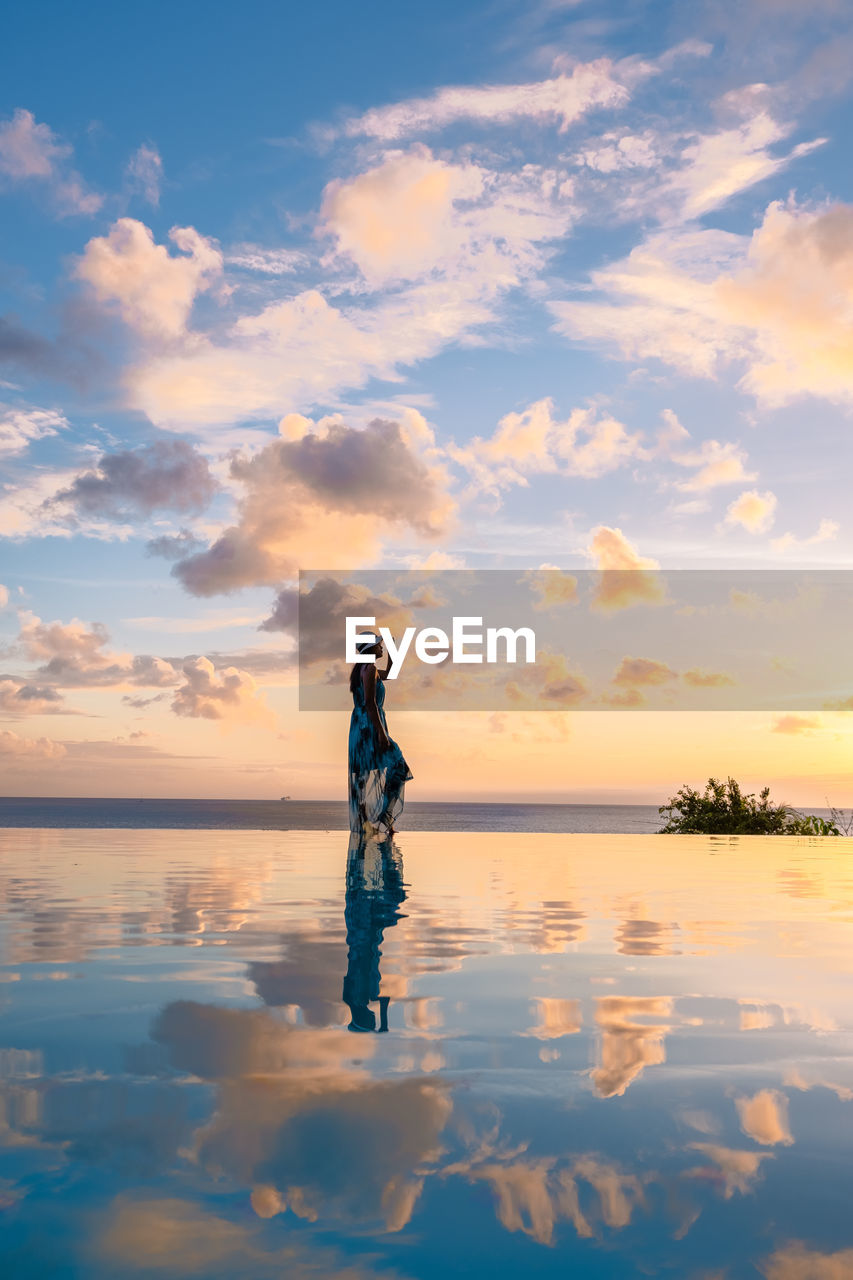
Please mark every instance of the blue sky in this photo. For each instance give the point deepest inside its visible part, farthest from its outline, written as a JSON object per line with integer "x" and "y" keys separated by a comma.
{"x": 591, "y": 265}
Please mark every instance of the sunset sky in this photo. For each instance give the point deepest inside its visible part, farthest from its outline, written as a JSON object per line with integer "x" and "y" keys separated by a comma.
{"x": 491, "y": 285}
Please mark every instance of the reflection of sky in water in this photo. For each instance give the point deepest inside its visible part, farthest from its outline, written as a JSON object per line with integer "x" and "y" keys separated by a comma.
{"x": 605, "y": 1055}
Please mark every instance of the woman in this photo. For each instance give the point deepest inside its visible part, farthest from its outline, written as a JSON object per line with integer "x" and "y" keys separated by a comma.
{"x": 375, "y": 893}
{"x": 377, "y": 771}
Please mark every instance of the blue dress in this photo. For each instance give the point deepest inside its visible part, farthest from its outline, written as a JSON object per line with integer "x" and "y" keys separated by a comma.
{"x": 377, "y": 779}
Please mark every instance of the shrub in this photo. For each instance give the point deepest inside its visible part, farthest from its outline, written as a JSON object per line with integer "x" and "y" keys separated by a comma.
{"x": 723, "y": 809}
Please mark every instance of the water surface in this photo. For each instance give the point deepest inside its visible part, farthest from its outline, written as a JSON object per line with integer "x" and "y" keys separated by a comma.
{"x": 257, "y": 1054}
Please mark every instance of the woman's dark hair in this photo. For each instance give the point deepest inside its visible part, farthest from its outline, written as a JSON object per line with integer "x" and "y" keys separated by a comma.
{"x": 363, "y": 646}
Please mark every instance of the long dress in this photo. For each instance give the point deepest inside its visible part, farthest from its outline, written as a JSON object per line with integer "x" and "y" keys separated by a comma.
{"x": 377, "y": 779}
{"x": 375, "y": 893}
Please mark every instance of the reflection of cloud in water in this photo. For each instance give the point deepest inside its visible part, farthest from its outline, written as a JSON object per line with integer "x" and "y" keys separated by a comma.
{"x": 794, "y": 1079}
{"x": 292, "y": 1123}
{"x": 534, "y": 1195}
{"x": 646, "y": 938}
{"x": 53, "y": 922}
{"x": 215, "y": 1043}
{"x": 555, "y": 1017}
{"x": 171, "y": 1237}
{"x": 308, "y": 975}
{"x": 764, "y": 1117}
{"x": 627, "y": 1046}
{"x": 735, "y": 1170}
{"x": 113, "y": 1121}
{"x": 796, "y": 1262}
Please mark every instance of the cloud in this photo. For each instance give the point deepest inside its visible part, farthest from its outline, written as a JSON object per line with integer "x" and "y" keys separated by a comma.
{"x": 326, "y": 496}
{"x": 795, "y": 724}
{"x": 625, "y": 578}
{"x": 827, "y": 531}
{"x": 764, "y": 1117}
{"x": 20, "y": 347}
{"x": 533, "y": 1196}
{"x": 144, "y": 173}
{"x": 719, "y": 165}
{"x": 19, "y": 427}
{"x": 753, "y": 511}
{"x": 281, "y": 1089}
{"x": 322, "y": 608}
{"x": 698, "y": 679}
{"x": 4, "y": 596}
{"x": 534, "y": 442}
{"x": 627, "y": 1046}
{"x": 614, "y": 152}
{"x": 560, "y": 101}
{"x": 777, "y": 304}
{"x": 717, "y": 464}
{"x": 552, "y": 588}
{"x": 164, "y": 1235}
{"x": 13, "y": 747}
{"x": 73, "y": 655}
{"x": 640, "y": 672}
{"x": 395, "y": 221}
{"x": 152, "y": 290}
{"x": 453, "y": 239}
{"x": 174, "y": 546}
{"x": 270, "y": 262}
{"x": 555, "y": 1017}
{"x": 31, "y": 153}
{"x": 797, "y": 1262}
{"x": 167, "y": 473}
{"x": 18, "y": 698}
{"x": 208, "y": 694}
{"x": 738, "y": 1170}
{"x": 25, "y": 508}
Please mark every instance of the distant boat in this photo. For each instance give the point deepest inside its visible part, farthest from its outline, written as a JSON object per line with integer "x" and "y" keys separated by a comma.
{"x": 285, "y": 797}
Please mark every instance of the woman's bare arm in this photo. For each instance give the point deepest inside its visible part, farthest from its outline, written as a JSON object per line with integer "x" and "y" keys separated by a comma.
{"x": 383, "y": 674}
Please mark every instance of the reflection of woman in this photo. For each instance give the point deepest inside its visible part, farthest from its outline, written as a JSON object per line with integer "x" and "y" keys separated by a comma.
{"x": 374, "y": 893}
{"x": 377, "y": 771}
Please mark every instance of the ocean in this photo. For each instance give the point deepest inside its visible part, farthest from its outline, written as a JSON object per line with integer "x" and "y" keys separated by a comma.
{"x": 322, "y": 815}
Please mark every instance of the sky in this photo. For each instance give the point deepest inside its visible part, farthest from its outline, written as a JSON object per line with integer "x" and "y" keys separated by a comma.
{"x": 486, "y": 286}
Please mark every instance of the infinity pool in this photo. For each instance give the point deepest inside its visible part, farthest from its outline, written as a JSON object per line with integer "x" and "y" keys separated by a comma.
{"x": 269, "y": 1054}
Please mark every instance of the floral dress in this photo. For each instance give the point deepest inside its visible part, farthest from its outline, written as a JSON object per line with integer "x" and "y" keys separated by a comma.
{"x": 377, "y": 779}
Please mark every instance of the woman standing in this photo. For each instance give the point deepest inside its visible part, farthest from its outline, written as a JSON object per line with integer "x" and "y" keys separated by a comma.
{"x": 378, "y": 772}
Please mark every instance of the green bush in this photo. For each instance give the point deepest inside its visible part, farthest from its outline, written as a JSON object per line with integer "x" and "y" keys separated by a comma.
{"x": 723, "y": 809}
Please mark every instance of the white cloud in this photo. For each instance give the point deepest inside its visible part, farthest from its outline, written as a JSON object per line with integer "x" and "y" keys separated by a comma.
{"x": 827, "y": 531}
{"x": 780, "y": 304}
{"x": 302, "y": 349}
{"x": 615, "y": 152}
{"x": 30, "y": 152}
{"x": 535, "y": 442}
{"x": 18, "y": 427}
{"x": 14, "y": 748}
{"x": 753, "y": 511}
{"x": 229, "y": 694}
{"x": 74, "y": 655}
{"x": 19, "y": 698}
{"x": 27, "y": 510}
{"x": 716, "y": 463}
{"x": 396, "y": 221}
{"x": 719, "y": 165}
{"x": 324, "y": 493}
{"x": 270, "y": 262}
{"x": 559, "y": 101}
{"x": 153, "y": 290}
{"x": 144, "y": 171}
